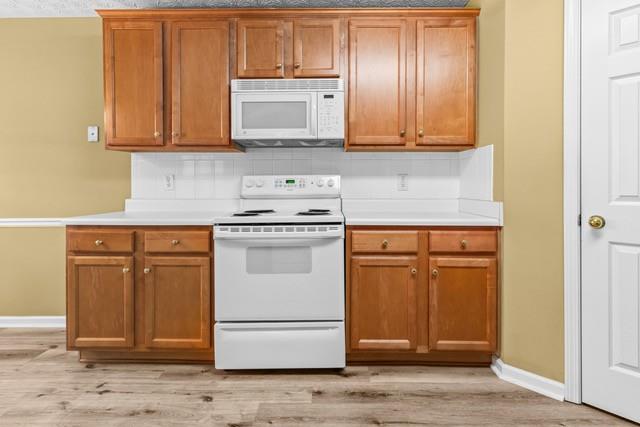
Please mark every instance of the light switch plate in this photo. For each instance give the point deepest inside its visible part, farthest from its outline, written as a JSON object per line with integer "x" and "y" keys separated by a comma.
{"x": 93, "y": 134}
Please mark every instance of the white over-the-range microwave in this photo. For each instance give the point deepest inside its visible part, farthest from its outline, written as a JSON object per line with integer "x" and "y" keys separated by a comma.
{"x": 287, "y": 112}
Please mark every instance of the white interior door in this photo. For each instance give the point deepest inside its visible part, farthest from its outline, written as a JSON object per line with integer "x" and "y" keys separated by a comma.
{"x": 611, "y": 189}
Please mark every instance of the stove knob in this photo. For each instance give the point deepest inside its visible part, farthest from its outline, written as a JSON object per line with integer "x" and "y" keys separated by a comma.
{"x": 249, "y": 183}
{"x": 331, "y": 182}
{"x": 320, "y": 183}
{"x": 259, "y": 183}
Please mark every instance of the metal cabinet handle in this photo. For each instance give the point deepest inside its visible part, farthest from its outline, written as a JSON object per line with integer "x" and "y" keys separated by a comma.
{"x": 278, "y": 66}
{"x": 99, "y": 242}
{"x": 385, "y": 244}
{"x": 420, "y": 133}
{"x": 296, "y": 65}
{"x": 463, "y": 244}
{"x": 125, "y": 270}
{"x": 156, "y": 134}
{"x": 175, "y": 134}
{"x": 403, "y": 132}
{"x": 414, "y": 271}
{"x": 434, "y": 273}
{"x": 147, "y": 270}
{"x": 175, "y": 242}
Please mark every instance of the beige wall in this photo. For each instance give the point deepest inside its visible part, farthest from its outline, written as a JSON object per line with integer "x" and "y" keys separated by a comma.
{"x": 532, "y": 299}
{"x": 51, "y": 81}
{"x": 50, "y": 91}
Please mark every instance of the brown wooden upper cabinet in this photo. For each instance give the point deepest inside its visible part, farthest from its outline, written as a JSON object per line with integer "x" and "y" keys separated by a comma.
{"x": 377, "y": 82}
{"x": 446, "y": 81}
{"x": 133, "y": 83}
{"x": 306, "y": 48}
{"x": 200, "y": 83}
{"x": 384, "y": 92}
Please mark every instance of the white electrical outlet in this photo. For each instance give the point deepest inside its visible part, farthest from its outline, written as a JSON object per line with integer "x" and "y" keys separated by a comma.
{"x": 92, "y": 134}
{"x": 403, "y": 182}
{"x": 169, "y": 182}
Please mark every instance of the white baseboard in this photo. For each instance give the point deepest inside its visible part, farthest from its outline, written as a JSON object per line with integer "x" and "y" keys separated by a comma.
{"x": 33, "y": 322}
{"x": 528, "y": 380}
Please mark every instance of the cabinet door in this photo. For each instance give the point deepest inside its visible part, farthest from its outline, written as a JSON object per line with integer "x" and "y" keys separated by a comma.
{"x": 383, "y": 303}
{"x": 446, "y": 82}
{"x": 260, "y": 48}
{"x": 177, "y": 302}
{"x": 100, "y": 302}
{"x": 200, "y": 83}
{"x": 316, "y": 48}
{"x": 133, "y": 83}
{"x": 377, "y": 82}
{"x": 462, "y": 304}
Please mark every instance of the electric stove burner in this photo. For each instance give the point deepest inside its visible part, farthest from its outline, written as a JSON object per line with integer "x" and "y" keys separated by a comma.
{"x": 313, "y": 212}
{"x": 246, "y": 214}
{"x": 259, "y": 211}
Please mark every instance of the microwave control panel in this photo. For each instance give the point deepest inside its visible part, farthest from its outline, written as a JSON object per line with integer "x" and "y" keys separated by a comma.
{"x": 330, "y": 115}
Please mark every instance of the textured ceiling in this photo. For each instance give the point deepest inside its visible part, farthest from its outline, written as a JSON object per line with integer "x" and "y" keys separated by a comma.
{"x": 42, "y": 8}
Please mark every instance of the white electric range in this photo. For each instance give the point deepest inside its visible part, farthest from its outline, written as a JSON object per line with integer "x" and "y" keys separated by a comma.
{"x": 279, "y": 276}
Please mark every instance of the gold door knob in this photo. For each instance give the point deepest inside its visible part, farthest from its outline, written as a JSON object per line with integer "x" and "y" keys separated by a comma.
{"x": 156, "y": 134}
{"x": 296, "y": 65}
{"x": 99, "y": 242}
{"x": 147, "y": 270}
{"x": 597, "y": 222}
{"x": 434, "y": 273}
{"x": 385, "y": 244}
{"x": 402, "y": 132}
{"x": 420, "y": 133}
{"x": 463, "y": 244}
{"x": 278, "y": 66}
{"x": 414, "y": 271}
{"x": 125, "y": 270}
{"x": 175, "y": 242}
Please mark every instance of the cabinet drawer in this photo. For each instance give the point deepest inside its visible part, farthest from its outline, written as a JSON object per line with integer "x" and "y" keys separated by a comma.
{"x": 384, "y": 241}
{"x": 463, "y": 241}
{"x": 177, "y": 241}
{"x": 100, "y": 240}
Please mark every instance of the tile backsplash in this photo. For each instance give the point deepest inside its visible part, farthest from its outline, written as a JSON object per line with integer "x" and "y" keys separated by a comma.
{"x": 165, "y": 176}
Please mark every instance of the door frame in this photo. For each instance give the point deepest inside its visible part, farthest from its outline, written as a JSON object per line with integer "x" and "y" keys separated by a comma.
{"x": 572, "y": 201}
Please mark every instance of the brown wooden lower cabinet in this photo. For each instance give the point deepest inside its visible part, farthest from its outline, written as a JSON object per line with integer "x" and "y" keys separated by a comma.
{"x": 437, "y": 303}
{"x": 152, "y": 301}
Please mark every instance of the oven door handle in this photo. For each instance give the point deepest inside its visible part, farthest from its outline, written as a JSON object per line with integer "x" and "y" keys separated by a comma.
{"x": 277, "y": 241}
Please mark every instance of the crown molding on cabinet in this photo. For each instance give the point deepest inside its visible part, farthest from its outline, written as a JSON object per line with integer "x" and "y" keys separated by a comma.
{"x": 67, "y": 8}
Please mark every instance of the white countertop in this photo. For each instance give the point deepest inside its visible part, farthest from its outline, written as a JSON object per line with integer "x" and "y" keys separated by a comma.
{"x": 417, "y": 218}
{"x": 146, "y": 218}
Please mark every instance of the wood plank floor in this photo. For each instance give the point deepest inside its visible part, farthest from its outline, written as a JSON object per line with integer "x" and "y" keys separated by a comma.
{"x": 42, "y": 384}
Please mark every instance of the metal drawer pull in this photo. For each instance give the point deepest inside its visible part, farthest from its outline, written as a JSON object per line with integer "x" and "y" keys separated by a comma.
{"x": 434, "y": 273}
{"x": 385, "y": 244}
{"x": 147, "y": 270}
{"x": 463, "y": 244}
{"x": 125, "y": 270}
{"x": 175, "y": 242}
{"x": 99, "y": 242}
{"x": 414, "y": 271}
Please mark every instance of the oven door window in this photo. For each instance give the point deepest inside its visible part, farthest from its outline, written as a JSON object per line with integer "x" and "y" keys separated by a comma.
{"x": 279, "y": 260}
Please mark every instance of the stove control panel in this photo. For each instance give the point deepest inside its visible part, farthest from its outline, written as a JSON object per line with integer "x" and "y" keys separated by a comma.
{"x": 290, "y": 186}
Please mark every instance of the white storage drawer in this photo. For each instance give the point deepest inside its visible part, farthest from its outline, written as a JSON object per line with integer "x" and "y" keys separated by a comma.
{"x": 279, "y": 345}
